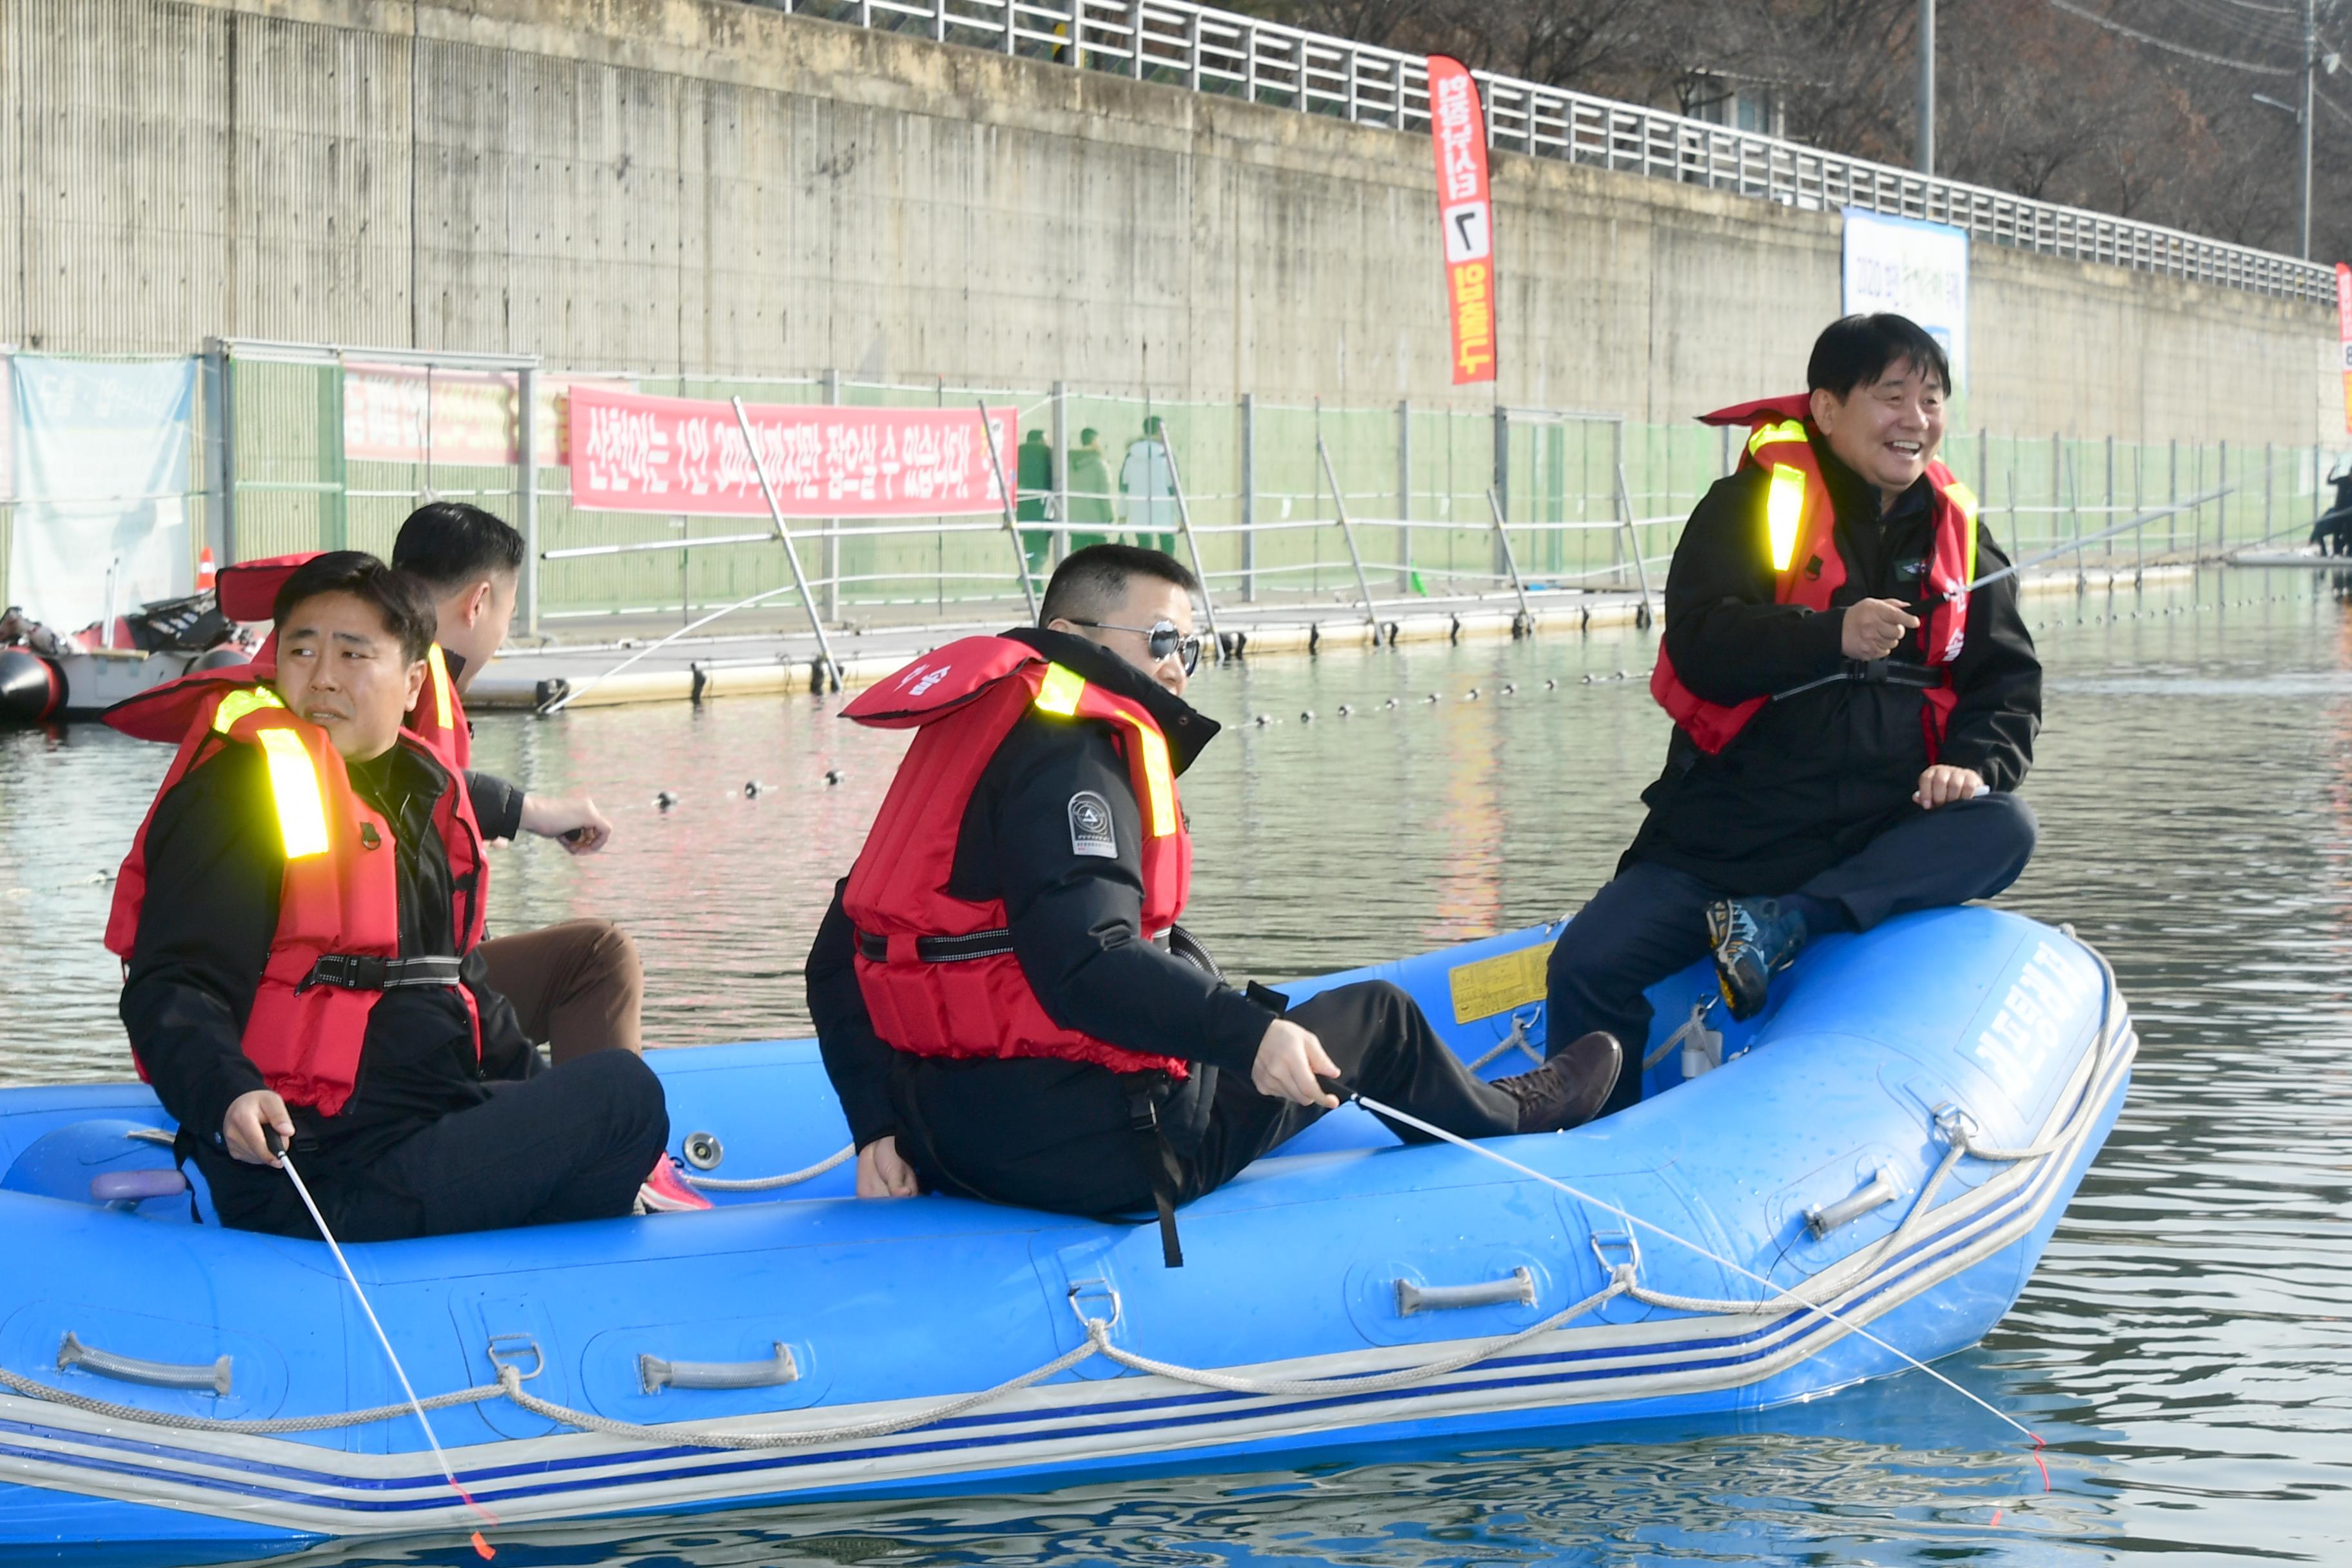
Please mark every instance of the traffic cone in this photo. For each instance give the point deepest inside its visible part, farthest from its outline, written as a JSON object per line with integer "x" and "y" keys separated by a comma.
{"x": 205, "y": 570}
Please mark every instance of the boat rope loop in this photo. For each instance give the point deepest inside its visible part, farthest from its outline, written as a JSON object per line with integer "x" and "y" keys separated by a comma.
{"x": 847, "y": 1152}
{"x": 260, "y": 1428}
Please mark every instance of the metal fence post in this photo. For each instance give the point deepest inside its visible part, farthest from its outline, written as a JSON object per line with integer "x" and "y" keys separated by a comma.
{"x": 1191, "y": 542}
{"x": 1011, "y": 26}
{"x": 2172, "y": 496}
{"x": 1405, "y": 495}
{"x": 1525, "y": 623}
{"x": 1249, "y": 499}
{"x": 1061, "y": 479}
{"x": 829, "y": 560}
{"x": 1641, "y": 571}
{"x": 1502, "y": 461}
{"x": 2221, "y": 516}
{"x": 784, "y": 537}
{"x": 220, "y": 467}
{"x": 1134, "y": 36}
{"x": 1984, "y": 480}
{"x": 1348, "y": 531}
{"x": 527, "y": 490}
{"x": 1005, "y": 494}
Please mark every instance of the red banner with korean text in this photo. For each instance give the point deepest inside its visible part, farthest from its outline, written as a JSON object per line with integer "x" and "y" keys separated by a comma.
{"x": 1466, "y": 215}
{"x": 631, "y": 453}
{"x": 2344, "y": 333}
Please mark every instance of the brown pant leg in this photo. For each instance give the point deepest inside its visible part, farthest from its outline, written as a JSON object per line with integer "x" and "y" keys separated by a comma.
{"x": 577, "y": 987}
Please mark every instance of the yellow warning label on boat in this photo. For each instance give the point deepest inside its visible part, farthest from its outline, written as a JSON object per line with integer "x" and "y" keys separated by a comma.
{"x": 1500, "y": 983}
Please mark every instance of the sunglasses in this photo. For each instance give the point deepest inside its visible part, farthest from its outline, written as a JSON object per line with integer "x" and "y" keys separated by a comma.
{"x": 1165, "y": 640}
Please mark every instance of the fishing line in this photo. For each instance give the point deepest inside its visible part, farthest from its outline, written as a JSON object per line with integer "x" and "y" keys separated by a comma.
{"x": 2074, "y": 545}
{"x": 1630, "y": 1219}
{"x": 286, "y": 1160}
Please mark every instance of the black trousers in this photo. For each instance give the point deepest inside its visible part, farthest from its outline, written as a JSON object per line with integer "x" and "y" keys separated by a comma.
{"x": 1060, "y": 1135}
{"x": 1651, "y": 921}
{"x": 572, "y": 1143}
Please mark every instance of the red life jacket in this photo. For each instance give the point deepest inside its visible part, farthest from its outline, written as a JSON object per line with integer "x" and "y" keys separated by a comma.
{"x": 927, "y": 994}
{"x": 340, "y": 895}
{"x": 1798, "y": 535}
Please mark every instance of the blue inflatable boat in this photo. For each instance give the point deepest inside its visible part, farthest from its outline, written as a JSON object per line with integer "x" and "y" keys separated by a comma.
{"x": 1889, "y": 1145}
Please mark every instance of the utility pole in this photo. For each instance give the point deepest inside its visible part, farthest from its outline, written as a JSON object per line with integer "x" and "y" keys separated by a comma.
{"x": 1927, "y": 147}
{"x": 2310, "y": 65}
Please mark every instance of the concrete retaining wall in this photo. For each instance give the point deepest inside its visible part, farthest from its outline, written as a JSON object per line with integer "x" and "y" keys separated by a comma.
{"x": 701, "y": 187}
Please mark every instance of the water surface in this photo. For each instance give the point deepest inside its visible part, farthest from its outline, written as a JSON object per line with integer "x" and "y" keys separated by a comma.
{"x": 2185, "y": 1346}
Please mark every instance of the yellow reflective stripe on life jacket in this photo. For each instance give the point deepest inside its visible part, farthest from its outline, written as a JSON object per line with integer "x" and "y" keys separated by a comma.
{"x": 437, "y": 673}
{"x": 1062, "y": 690}
{"x": 1158, "y": 778}
{"x": 244, "y": 700}
{"x": 294, "y": 784}
{"x": 1960, "y": 496}
{"x": 1766, "y": 435}
{"x": 1784, "y": 513}
{"x": 1060, "y": 694}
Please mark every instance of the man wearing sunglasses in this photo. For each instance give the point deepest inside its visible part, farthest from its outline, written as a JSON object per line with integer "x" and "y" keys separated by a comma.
{"x": 1005, "y": 1004}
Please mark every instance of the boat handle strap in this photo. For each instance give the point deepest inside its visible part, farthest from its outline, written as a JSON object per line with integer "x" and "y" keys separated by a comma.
{"x": 1824, "y": 1218}
{"x": 211, "y": 1375}
{"x": 1518, "y": 1286}
{"x": 656, "y": 1375}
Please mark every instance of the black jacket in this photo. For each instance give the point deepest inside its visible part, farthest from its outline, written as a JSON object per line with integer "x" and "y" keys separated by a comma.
{"x": 1812, "y": 779}
{"x": 1076, "y": 920}
{"x": 216, "y": 868}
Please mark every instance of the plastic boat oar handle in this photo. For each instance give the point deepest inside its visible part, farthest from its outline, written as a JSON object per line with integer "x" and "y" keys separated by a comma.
{"x": 212, "y": 1375}
{"x": 777, "y": 1370}
{"x": 1519, "y": 1288}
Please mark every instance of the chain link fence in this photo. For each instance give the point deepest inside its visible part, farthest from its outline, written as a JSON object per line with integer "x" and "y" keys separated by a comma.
{"x": 1279, "y": 503}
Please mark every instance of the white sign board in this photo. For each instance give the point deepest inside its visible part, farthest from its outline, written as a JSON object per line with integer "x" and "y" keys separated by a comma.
{"x": 1915, "y": 269}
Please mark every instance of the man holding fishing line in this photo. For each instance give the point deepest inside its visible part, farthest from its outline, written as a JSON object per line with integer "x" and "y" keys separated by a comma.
{"x": 1005, "y": 1003}
{"x": 300, "y": 919}
{"x": 1852, "y": 705}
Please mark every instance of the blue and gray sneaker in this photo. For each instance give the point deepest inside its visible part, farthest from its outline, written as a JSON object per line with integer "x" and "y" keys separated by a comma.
{"x": 1751, "y": 938}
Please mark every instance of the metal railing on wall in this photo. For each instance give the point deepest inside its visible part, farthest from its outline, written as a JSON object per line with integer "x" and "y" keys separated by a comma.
{"x": 1205, "y": 49}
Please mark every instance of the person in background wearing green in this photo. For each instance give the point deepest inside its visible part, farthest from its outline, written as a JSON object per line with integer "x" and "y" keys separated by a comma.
{"x": 1090, "y": 491}
{"x": 1148, "y": 483}
{"x": 1033, "y": 483}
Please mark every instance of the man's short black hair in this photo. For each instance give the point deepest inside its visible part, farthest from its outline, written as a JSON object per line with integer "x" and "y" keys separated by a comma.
{"x": 1092, "y": 583}
{"x": 1854, "y": 351}
{"x": 397, "y": 596}
{"x": 448, "y": 544}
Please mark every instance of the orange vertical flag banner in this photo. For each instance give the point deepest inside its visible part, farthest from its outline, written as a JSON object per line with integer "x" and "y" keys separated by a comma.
{"x": 1466, "y": 212}
{"x": 2344, "y": 333}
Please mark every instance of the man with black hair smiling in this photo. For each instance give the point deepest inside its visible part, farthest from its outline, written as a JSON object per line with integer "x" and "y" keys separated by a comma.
{"x": 297, "y": 919}
{"x": 1851, "y": 709}
{"x": 1005, "y": 1003}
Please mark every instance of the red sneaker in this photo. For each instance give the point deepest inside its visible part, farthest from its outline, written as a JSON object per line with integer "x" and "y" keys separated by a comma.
{"x": 665, "y": 1192}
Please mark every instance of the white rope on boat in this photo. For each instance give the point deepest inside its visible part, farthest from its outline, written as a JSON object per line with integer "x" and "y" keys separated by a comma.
{"x": 847, "y": 1152}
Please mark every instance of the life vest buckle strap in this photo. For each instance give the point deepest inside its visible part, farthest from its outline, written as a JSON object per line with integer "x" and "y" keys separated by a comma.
{"x": 995, "y": 944}
{"x": 365, "y": 972}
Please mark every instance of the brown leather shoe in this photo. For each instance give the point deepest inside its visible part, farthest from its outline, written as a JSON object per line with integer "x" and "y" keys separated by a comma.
{"x": 1568, "y": 1089}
